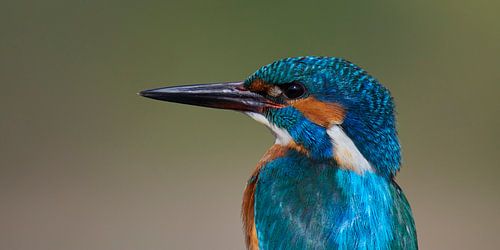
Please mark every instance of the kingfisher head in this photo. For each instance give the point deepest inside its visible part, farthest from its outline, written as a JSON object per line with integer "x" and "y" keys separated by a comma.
{"x": 326, "y": 108}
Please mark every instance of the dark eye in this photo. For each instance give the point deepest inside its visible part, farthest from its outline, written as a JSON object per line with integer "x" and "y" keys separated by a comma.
{"x": 293, "y": 90}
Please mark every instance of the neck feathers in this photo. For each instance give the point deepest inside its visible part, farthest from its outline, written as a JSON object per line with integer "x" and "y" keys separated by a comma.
{"x": 319, "y": 143}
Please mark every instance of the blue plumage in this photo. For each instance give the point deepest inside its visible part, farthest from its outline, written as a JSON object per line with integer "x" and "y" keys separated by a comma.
{"x": 328, "y": 182}
{"x": 304, "y": 132}
{"x": 304, "y": 204}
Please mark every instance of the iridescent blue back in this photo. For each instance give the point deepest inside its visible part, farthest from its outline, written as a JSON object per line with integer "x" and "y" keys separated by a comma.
{"x": 306, "y": 204}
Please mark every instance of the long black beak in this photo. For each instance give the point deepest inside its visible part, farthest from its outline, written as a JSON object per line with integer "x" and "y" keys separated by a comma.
{"x": 231, "y": 95}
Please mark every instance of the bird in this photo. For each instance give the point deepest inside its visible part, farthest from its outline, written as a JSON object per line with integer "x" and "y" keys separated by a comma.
{"x": 328, "y": 181}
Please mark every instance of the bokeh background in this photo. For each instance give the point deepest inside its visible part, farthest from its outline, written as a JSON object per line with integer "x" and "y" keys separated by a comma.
{"x": 87, "y": 164}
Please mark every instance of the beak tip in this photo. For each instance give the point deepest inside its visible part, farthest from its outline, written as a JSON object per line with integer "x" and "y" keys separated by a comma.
{"x": 144, "y": 93}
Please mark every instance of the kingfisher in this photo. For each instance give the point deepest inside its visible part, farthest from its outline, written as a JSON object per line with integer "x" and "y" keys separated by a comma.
{"x": 328, "y": 182}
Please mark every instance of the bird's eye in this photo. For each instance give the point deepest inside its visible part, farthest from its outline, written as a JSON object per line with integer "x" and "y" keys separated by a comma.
{"x": 293, "y": 90}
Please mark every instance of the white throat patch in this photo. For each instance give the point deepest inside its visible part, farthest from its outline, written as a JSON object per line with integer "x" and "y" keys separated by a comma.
{"x": 282, "y": 136}
{"x": 346, "y": 153}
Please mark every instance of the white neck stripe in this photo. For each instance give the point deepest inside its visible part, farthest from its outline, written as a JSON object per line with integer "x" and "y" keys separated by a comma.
{"x": 345, "y": 151}
{"x": 282, "y": 136}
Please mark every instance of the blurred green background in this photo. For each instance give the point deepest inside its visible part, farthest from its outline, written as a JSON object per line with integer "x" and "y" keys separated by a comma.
{"x": 87, "y": 164}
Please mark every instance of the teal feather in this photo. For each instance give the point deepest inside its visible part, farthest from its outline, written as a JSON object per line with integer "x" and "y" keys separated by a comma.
{"x": 305, "y": 204}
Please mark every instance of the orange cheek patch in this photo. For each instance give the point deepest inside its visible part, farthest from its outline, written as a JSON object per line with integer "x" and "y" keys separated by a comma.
{"x": 322, "y": 113}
